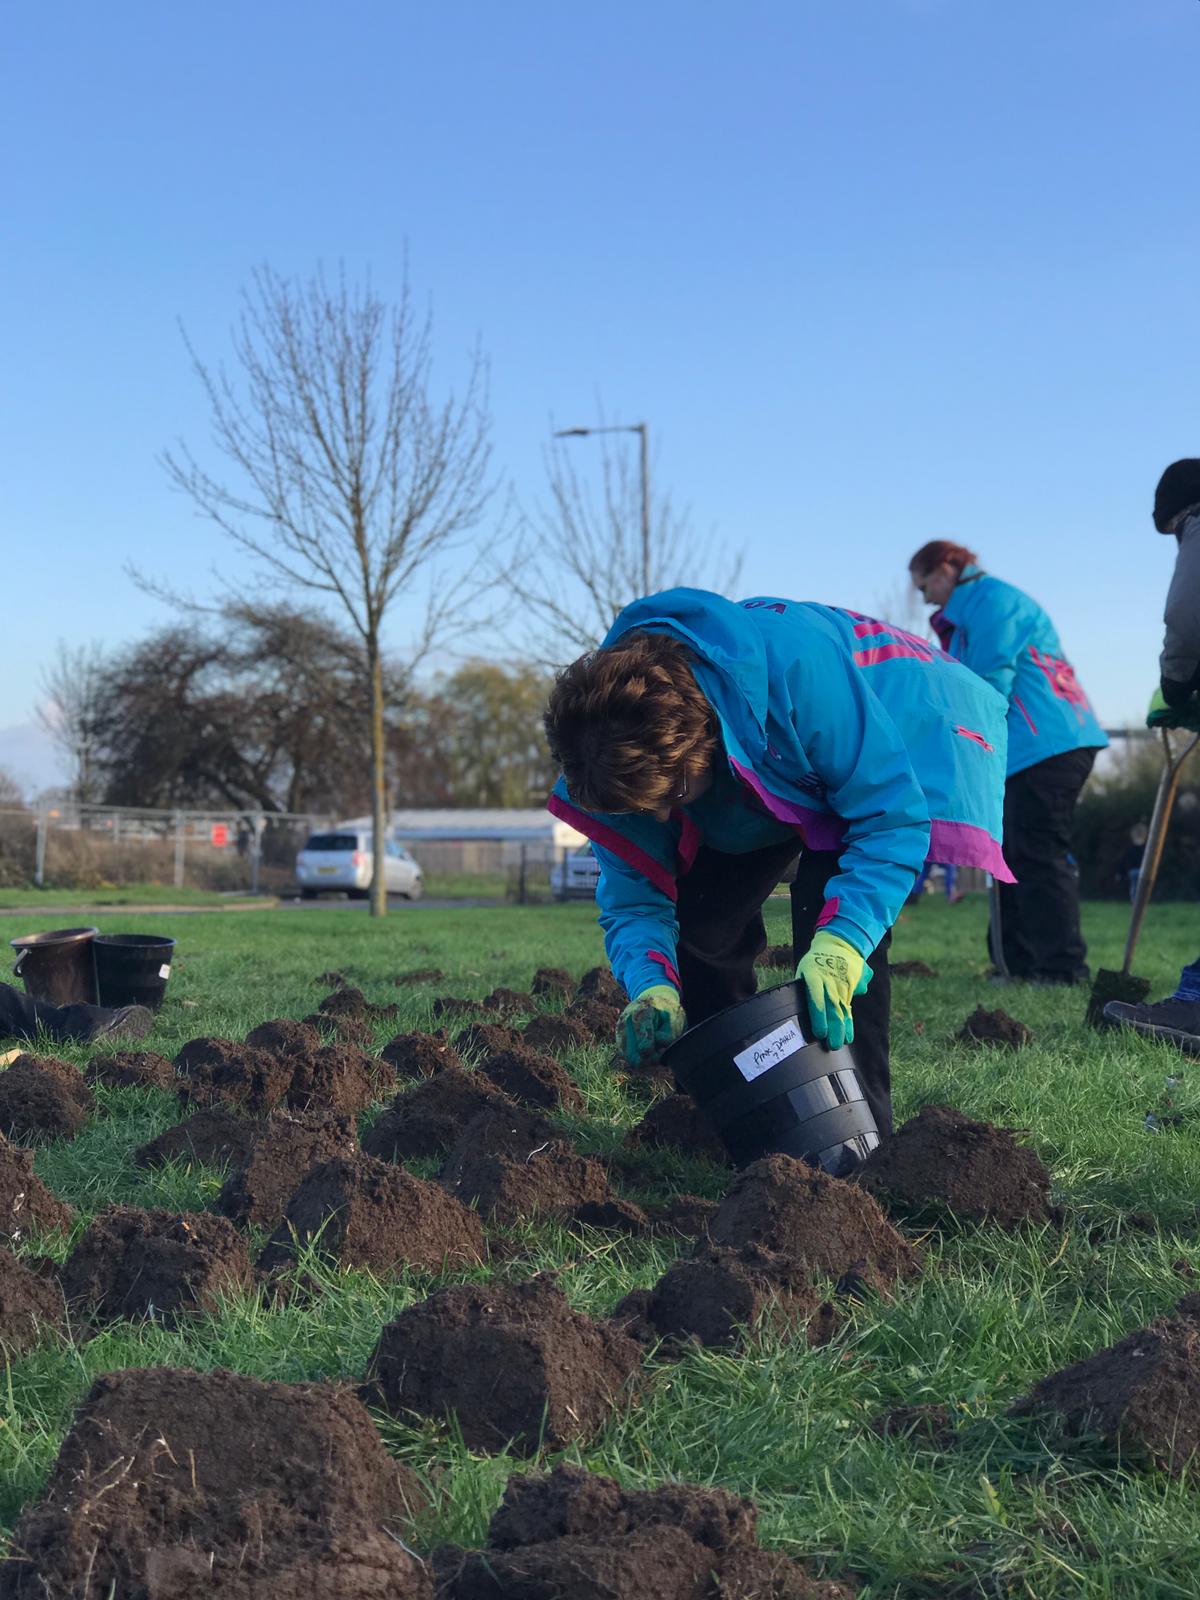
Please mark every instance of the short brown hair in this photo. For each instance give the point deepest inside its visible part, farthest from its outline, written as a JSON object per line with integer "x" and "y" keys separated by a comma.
{"x": 938, "y": 550}
{"x": 629, "y": 724}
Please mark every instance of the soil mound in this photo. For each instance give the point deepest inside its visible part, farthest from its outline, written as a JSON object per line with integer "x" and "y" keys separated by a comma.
{"x": 43, "y": 1098}
{"x": 430, "y": 1117}
{"x": 833, "y": 1226}
{"x": 336, "y": 1080}
{"x": 216, "y": 1138}
{"x": 931, "y": 1425}
{"x": 351, "y": 1030}
{"x": 684, "y": 1214}
{"x": 333, "y": 979}
{"x": 479, "y": 1040}
{"x": 979, "y": 1171}
{"x": 553, "y": 1035}
{"x": 721, "y": 1294}
{"x": 533, "y": 1080}
{"x": 912, "y": 969}
{"x": 599, "y": 984}
{"x": 452, "y": 1005}
{"x": 131, "y": 1069}
{"x": 353, "y": 1003}
{"x": 510, "y": 1002}
{"x": 374, "y": 1215}
{"x": 777, "y": 955}
{"x": 511, "y": 1164}
{"x": 26, "y": 1205}
{"x": 599, "y": 1020}
{"x": 216, "y": 1071}
{"x": 420, "y": 1055}
{"x": 512, "y": 1362}
{"x": 573, "y": 1532}
{"x": 172, "y": 1485}
{"x": 1141, "y": 1395}
{"x": 551, "y": 981}
{"x": 994, "y": 1028}
{"x": 677, "y": 1122}
{"x": 30, "y": 1306}
{"x": 419, "y": 975}
{"x": 257, "y": 1193}
{"x": 134, "y": 1263}
{"x": 283, "y": 1037}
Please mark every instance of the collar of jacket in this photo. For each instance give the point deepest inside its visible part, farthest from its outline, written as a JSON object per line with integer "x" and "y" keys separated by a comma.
{"x": 969, "y": 574}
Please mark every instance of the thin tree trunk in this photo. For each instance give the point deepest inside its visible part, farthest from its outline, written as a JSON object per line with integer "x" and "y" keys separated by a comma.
{"x": 378, "y": 776}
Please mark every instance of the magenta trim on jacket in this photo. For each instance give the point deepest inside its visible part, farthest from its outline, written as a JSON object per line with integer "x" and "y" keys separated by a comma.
{"x": 599, "y": 832}
{"x": 668, "y": 967}
{"x": 819, "y": 830}
{"x": 962, "y": 844}
{"x": 690, "y": 840}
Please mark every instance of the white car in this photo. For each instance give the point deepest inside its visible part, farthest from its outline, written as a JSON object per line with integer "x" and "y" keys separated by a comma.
{"x": 575, "y": 877}
{"x": 341, "y": 862}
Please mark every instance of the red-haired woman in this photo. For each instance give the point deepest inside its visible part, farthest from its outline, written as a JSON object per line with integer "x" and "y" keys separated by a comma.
{"x": 1006, "y": 637}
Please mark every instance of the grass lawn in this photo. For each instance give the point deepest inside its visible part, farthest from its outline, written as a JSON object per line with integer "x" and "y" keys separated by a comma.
{"x": 1006, "y": 1511}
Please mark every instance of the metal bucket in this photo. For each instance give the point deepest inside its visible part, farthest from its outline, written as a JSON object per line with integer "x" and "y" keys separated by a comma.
{"x": 59, "y": 967}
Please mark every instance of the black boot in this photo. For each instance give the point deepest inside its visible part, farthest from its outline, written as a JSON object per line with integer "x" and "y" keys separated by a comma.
{"x": 23, "y": 1017}
{"x": 1173, "y": 1021}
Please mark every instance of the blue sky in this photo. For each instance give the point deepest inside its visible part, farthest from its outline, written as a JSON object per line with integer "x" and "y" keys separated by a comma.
{"x": 873, "y": 270}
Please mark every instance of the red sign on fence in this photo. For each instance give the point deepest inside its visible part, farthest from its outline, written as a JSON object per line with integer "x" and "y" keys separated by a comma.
{"x": 220, "y": 835}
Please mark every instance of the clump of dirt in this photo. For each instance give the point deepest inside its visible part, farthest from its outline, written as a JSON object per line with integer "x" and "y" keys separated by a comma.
{"x": 350, "y": 1030}
{"x": 931, "y": 1425}
{"x": 979, "y": 1171}
{"x": 677, "y": 1122}
{"x": 419, "y": 975}
{"x": 184, "y": 1484}
{"x": 510, "y": 1164}
{"x": 551, "y": 981}
{"x": 509, "y": 1002}
{"x": 353, "y": 1003}
{"x": 684, "y": 1214}
{"x": 834, "y": 1227}
{"x": 596, "y": 1018}
{"x": 777, "y": 955}
{"x": 533, "y": 1080}
{"x": 573, "y": 1532}
{"x": 214, "y": 1138}
{"x": 428, "y": 1118}
{"x": 480, "y": 1040}
{"x": 452, "y": 1005}
{"x": 721, "y": 1293}
{"x": 26, "y": 1205}
{"x": 599, "y": 984}
{"x": 513, "y": 1363}
{"x": 30, "y": 1306}
{"x": 553, "y": 1035}
{"x": 257, "y": 1193}
{"x": 131, "y": 1069}
{"x": 283, "y": 1037}
{"x": 994, "y": 1028}
{"x": 336, "y": 1079}
{"x": 333, "y": 979}
{"x": 912, "y": 969}
{"x": 216, "y": 1071}
{"x": 420, "y": 1055}
{"x": 166, "y": 1264}
{"x": 374, "y": 1215}
{"x": 1141, "y": 1395}
{"x": 43, "y": 1098}
{"x": 615, "y": 1213}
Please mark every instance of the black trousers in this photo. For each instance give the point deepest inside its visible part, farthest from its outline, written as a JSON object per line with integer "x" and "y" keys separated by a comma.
{"x": 1039, "y": 914}
{"x": 21, "y": 1017}
{"x": 721, "y": 934}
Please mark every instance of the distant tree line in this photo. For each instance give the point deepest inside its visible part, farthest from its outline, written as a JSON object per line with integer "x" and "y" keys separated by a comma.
{"x": 269, "y": 707}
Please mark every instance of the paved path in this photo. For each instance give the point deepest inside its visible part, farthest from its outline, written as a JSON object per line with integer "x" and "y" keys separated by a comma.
{"x": 267, "y": 903}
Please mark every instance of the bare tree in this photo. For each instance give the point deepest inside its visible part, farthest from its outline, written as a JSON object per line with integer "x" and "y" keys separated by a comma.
{"x": 72, "y": 689}
{"x": 903, "y": 606}
{"x": 579, "y": 554}
{"x": 348, "y": 477}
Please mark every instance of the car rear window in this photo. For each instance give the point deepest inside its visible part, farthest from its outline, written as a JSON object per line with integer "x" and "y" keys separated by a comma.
{"x": 332, "y": 841}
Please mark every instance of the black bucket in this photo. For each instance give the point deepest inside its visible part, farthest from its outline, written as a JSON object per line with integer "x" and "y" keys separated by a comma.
{"x": 132, "y": 968}
{"x": 58, "y": 967}
{"x": 767, "y": 1091}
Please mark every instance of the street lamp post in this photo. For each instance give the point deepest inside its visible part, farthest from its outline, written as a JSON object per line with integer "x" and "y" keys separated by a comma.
{"x": 641, "y": 430}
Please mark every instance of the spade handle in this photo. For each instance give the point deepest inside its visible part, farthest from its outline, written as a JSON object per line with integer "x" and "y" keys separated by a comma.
{"x": 1156, "y": 838}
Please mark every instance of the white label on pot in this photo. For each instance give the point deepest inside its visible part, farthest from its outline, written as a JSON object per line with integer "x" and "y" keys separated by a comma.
{"x": 164, "y": 972}
{"x": 772, "y": 1048}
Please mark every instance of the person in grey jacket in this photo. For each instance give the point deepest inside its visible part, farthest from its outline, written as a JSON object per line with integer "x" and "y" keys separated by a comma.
{"x": 1176, "y": 704}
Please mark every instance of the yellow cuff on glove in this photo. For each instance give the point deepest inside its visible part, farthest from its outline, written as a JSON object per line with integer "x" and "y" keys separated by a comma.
{"x": 833, "y": 972}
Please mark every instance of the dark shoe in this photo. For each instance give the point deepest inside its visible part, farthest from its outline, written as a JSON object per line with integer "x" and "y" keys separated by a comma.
{"x": 130, "y": 1022}
{"x": 1175, "y": 1022}
{"x": 1055, "y": 980}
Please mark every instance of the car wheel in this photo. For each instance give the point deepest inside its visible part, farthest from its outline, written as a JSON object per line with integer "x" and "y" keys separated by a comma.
{"x": 358, "y": 894}
{"x": 308, "y": 894}
{"x": 415, "y": 890}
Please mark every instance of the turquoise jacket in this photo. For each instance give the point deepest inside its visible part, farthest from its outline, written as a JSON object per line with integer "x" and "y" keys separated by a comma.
{"x": 860, "y": 737}
{"x": 1008, "y": 639}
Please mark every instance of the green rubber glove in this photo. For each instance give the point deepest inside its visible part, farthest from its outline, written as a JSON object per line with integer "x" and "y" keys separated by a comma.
{"x": 833, "y": 973}
{"x": 1161, "y": 715}
{"x": 650, "y": 1023}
